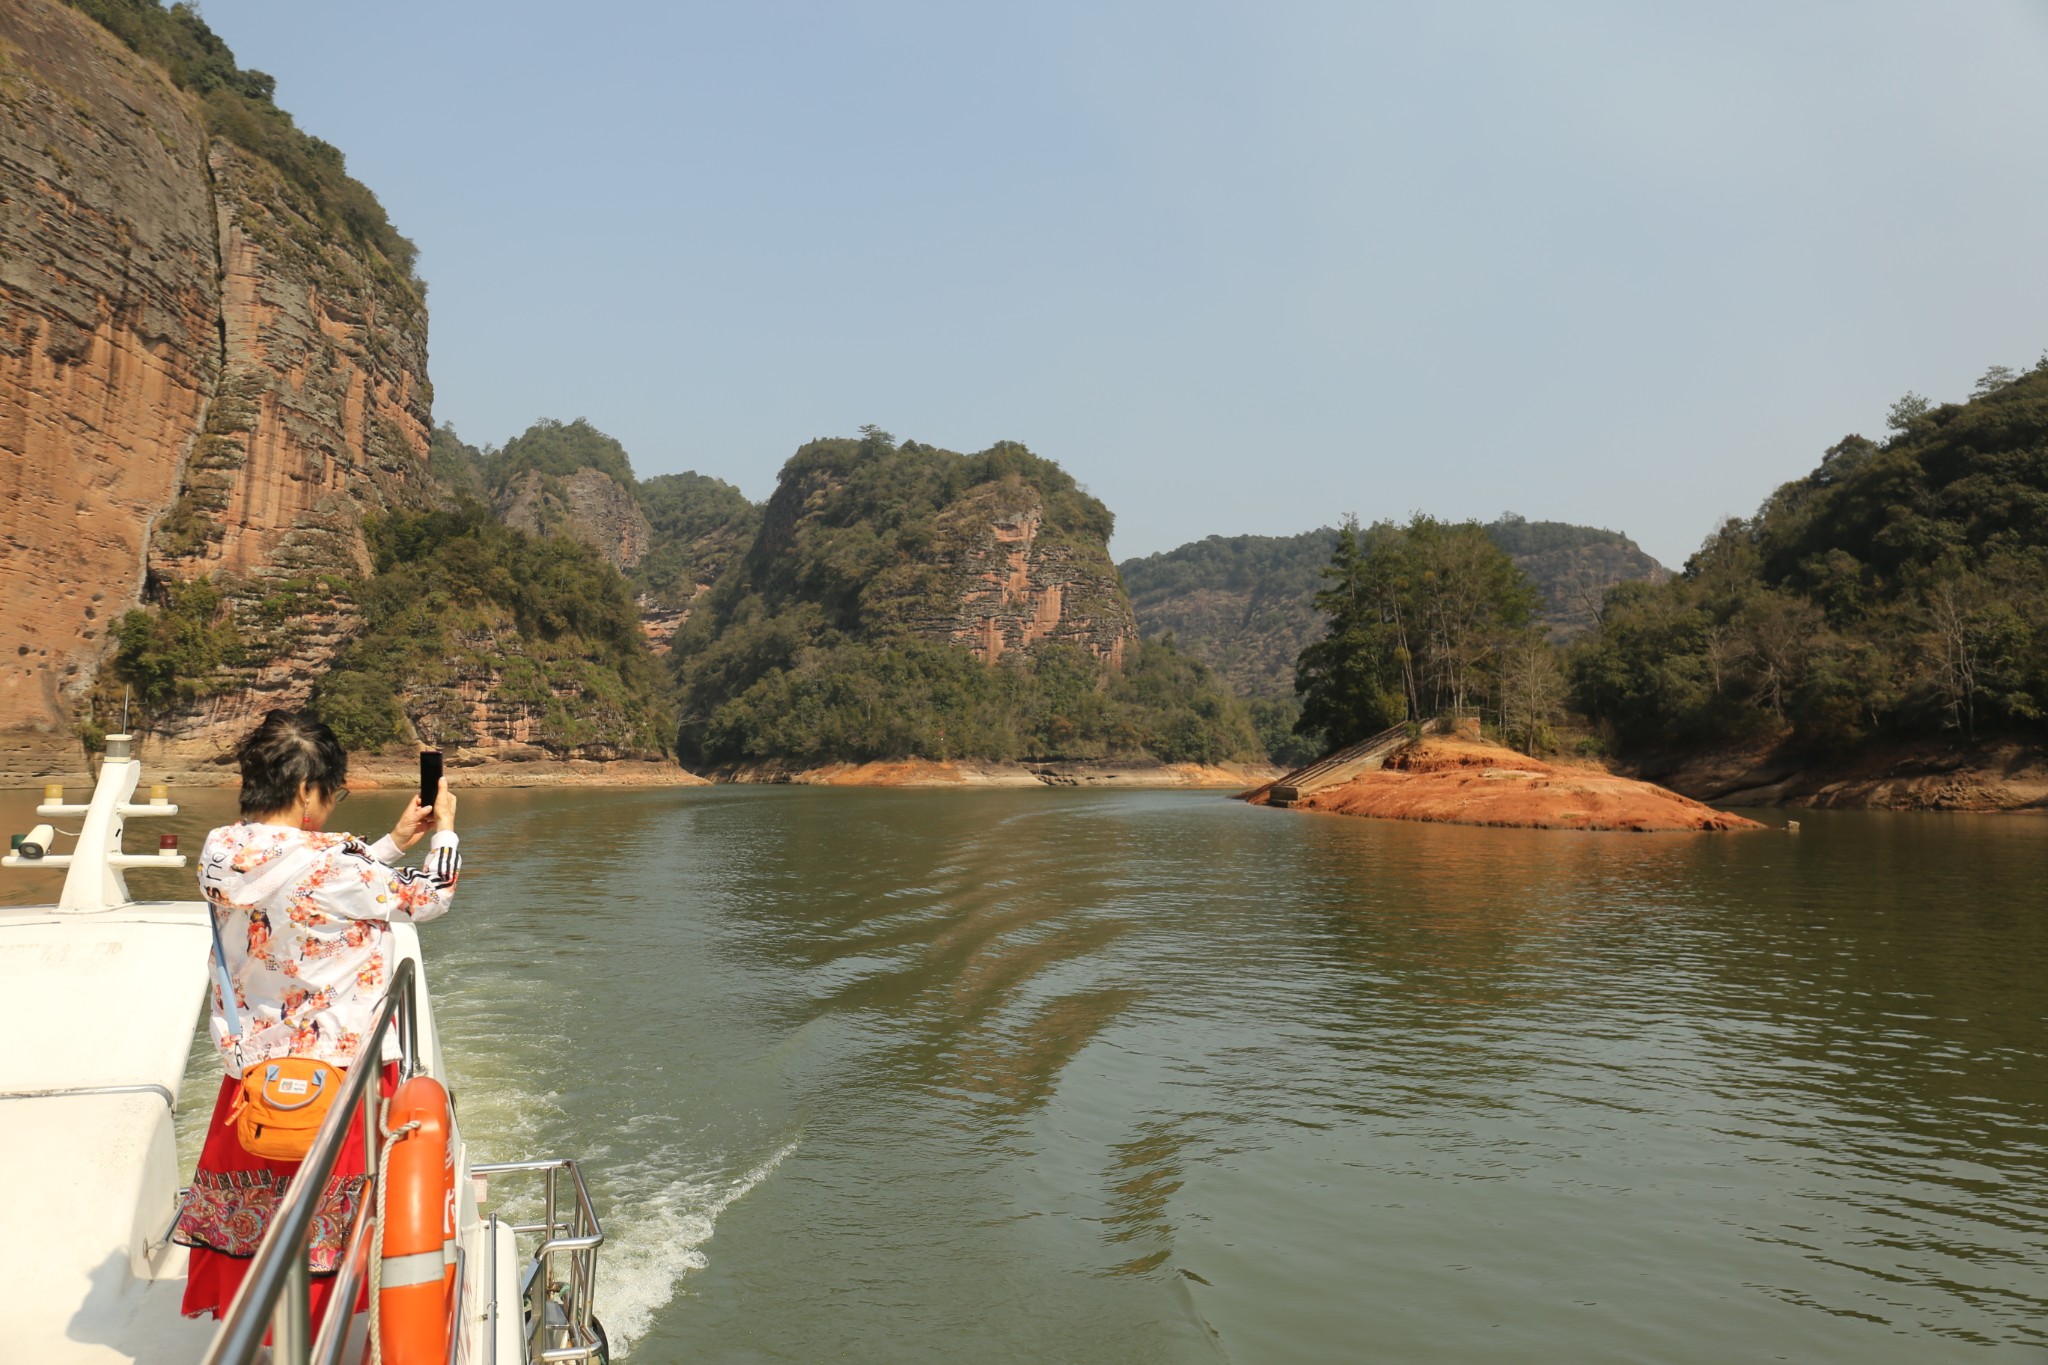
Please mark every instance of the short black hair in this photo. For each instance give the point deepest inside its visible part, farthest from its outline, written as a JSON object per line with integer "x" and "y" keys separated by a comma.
{"x": 288, "y": 750}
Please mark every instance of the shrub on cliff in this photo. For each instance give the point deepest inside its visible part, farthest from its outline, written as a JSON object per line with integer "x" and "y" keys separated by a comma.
{"x": 177, "y": 650}
{"x": 557, "y": 448}
{"x": 456, "y": 464}
{"x": 1899, "y": 589}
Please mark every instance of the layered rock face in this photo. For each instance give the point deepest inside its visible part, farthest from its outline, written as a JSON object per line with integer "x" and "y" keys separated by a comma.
{"x": 109, "y": 343}
{"x": 197, "y": 377}
{"x": 323, "y": 412}
{"x": 587, "y": 504}
{"x": 1015, "y": 587}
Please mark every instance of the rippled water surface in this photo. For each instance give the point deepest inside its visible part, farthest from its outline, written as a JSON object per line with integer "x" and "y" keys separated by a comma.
{"x": 1137, "y": 1077}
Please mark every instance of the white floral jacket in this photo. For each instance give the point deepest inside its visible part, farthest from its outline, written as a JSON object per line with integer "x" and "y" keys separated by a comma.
{"x": 305, "y": 919}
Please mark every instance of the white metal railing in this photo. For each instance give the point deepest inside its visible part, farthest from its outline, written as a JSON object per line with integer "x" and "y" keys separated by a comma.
{"x": 275, "y": 1294}
{"x": 561, "y": 1322}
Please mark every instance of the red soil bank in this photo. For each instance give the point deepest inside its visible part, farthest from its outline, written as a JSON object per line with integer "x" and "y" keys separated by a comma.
{"x": 1469, "y": 782}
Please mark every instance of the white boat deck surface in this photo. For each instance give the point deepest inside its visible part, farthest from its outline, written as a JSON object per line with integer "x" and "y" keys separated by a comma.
{"x": 103, "y": 1003}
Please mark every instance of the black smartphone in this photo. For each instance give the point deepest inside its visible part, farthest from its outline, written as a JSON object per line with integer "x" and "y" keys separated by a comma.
{"x": 430, "y": 775}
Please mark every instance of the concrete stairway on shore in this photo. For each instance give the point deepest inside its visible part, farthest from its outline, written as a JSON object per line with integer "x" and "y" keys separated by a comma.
{"x": 1343, "y": 765}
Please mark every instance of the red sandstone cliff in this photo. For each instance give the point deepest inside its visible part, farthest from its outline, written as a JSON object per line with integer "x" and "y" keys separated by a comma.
{"x": 323, "y": 409}
{"x": 1013, "y": 584}
{"x": 196, "y": 377}
{"x": 109, "y": 343}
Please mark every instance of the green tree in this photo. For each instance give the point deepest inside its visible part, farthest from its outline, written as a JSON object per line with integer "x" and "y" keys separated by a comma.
{"x": 1351, "y": 682}
{"x": 1468, "y": 601}
{"x": 1894, "y": 591}
{"x": 1419, "y": 619}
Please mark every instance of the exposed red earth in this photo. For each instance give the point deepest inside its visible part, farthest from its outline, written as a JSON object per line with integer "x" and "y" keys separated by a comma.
{"x": 1471, "y": 782}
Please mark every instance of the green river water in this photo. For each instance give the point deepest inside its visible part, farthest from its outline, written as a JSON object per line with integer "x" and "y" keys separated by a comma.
{"x": 1133, "y": 1077}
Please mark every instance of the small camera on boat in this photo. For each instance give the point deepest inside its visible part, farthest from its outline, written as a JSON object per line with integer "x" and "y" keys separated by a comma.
{"x": 37, "y": 842}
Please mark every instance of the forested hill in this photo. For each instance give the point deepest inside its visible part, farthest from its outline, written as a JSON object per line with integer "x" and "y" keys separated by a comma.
{"x": 671, "y": 535}
{"x": 1245, "y": 604}
{"x": 1573, "y": 567}
{"x": 904, "y": 601}
{"x": 1898, "y": 590}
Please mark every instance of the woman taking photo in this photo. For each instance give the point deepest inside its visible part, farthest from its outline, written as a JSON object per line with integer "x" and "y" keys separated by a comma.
{"x": 303, "y": 934}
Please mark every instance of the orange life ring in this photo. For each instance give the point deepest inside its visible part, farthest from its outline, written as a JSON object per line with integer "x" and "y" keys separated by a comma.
{"x": 418, "y": 1274}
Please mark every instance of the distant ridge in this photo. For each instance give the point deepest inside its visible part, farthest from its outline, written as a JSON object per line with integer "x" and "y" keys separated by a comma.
{"x": 1245, "y": 606}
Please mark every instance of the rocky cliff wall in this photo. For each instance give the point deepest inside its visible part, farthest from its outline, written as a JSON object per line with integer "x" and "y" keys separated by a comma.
{"x": 587, "y": 504}
{"x": 323, "y": 411}
{"x": 1574, "y": 581}
{"x": 1013, "y": 585}
{"x": 198, "y": 376}
{"x": 321, "y": 415}
{"x": 109, "y": 344}
{"x": 996, "y": 551}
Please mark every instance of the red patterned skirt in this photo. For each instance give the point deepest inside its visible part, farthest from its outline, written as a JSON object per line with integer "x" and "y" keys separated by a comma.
{"x": 234, "y": 1196}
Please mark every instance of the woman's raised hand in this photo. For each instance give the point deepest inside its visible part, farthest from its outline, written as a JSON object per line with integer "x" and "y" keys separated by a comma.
{"x": 414, "y": 822}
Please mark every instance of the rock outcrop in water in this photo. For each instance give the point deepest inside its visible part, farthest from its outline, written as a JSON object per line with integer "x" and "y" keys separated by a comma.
{"x": 1466, "y": 781}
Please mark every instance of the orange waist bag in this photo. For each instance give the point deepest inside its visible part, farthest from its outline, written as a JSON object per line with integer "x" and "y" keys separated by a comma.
{"x": 284, "y": 1100}
{"x": 282, "y": 1104}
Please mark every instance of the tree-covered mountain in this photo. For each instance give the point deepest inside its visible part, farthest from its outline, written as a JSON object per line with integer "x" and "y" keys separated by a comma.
{"x": 1245, "y": 605}
{"x": 903, "y": 601}
{"x": 1572, "y": 567}
{"x": 672, "y": 535}
{"x": 697, "y": 525}
{"x": 1898, "y": 590}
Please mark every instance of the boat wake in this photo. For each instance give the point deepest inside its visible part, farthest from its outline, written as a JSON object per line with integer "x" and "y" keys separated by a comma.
{"x": 656, "y": 1239}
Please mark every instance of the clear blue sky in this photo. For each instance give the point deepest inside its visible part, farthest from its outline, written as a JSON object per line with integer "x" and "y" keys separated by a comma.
{"x": 1240, "y": 268}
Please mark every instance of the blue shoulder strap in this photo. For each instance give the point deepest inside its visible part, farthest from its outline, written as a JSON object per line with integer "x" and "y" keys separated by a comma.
{"x": 227, "y": 985}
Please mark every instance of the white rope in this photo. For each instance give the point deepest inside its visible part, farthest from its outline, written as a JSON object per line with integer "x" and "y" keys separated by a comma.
{"x": 377, "y": 1246}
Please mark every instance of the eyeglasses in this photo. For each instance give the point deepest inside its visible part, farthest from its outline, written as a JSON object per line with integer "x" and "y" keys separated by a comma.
{"x": 341, "y": 796}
